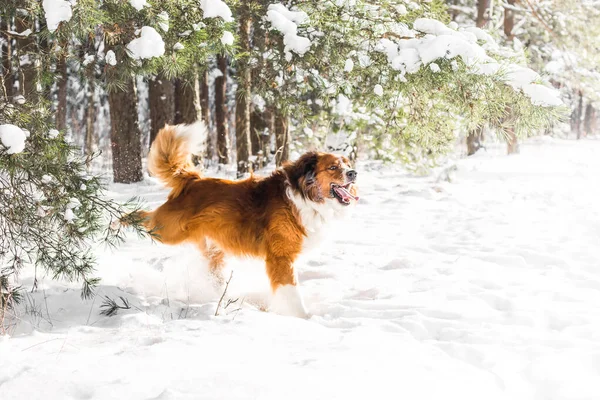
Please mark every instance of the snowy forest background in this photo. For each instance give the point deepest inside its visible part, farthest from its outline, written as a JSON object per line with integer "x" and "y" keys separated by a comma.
{"x": 461, "y": 273}
{"x": 86, "y": 85}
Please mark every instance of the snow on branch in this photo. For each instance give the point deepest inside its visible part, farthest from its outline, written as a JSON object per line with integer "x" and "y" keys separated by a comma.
{"x": 56, "y": 11}
{"x": 438, "y": 41}
{"x": 149, "y": 44}
{"x": 216, "y": 8}
{"x": 286, "y": 22}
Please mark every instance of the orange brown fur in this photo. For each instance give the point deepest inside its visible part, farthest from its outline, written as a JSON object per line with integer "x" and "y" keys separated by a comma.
{"x": 252, "y": 217}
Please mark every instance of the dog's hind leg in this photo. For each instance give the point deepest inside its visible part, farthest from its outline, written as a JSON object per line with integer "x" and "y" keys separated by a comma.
{"x": 216, "y": 259}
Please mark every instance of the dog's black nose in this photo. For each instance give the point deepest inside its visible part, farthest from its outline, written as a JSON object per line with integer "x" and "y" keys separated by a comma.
{"x": 351, "y": 174}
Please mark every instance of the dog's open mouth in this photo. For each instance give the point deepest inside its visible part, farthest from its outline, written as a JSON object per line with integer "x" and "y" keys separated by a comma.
{"x": 342, "y": 193}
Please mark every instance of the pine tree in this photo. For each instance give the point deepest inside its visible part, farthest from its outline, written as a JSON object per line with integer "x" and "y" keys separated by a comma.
{"x": 345, "y": 74}
{"x": 51, "y": 210}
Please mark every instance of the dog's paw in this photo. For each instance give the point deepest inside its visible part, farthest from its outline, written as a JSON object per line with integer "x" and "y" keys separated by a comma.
{"x": 288, "y": 301}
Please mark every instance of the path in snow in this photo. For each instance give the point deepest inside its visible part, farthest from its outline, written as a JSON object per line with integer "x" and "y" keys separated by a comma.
{"x": 484, "y": 288}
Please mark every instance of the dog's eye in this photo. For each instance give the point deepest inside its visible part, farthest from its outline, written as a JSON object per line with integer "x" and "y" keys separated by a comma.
{"x": 333, "y": 168}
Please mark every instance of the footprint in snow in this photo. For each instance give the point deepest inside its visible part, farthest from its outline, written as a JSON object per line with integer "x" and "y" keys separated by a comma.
{"x": 310, "y": 275}
{"x": 397, "y": 264}
{"x": 369, "y": 294}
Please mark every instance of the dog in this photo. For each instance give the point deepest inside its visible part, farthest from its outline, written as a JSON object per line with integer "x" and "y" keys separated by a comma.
{"x": 274, "y": 218}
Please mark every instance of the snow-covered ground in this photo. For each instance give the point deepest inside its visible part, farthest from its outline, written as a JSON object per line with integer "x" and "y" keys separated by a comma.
{"x": 485, "y": 287}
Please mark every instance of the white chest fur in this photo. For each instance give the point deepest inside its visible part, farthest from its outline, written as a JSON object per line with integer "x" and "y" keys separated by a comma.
{"x": 318, "y": 219}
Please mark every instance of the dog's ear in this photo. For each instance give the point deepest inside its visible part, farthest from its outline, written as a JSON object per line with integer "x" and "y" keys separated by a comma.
{"x": 304, "y": 173}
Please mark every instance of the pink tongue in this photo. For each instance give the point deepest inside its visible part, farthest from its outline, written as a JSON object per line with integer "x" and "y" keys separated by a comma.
{"x": 345, "y": 194}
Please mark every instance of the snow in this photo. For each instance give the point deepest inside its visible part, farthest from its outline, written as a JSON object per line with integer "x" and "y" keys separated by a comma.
{"x": 25, "y": 33}
{"x": 449, "y": 46}
{"x": 480, "y": 34}
{"x": 257, "y": 100}
{"x": 139, "y": 4}
{"x": 163, "y": 21}
{"x": 214, "y": 74}
{"x": 149, "y": 44}
{"x": 69, "y": 215}
{"x": 178, "y": 46}
{"x": 541, "y": 95}
{"x": 56, "y": 11}
{"x": 343, "y": 105}
{"x": 432, "y": 26}
{"x": 286, "y": 22}
{"x": 518, "y": 76}
{"x": 53, "y": 133}
{"x": 444, "y": 42}
{"x": 88, "y": 58}
{"x": 111, "y": 58}
{"x": 524, "y": 78}
{"x": 378, "y": 89}
{"x": 485, "y": 287}
{"x": 349, "y": 65}
{"x": 227, "y": 38}
{"x": 216, "y": 8}
{"x": 13, "y": 138}
{"x": 440, "y": 41}
{"x": 401, "y": 9}
{"x": 73, "y": 203}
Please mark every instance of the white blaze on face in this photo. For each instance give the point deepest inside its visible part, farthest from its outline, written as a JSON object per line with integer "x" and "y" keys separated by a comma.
{"x": 345, "y": 168}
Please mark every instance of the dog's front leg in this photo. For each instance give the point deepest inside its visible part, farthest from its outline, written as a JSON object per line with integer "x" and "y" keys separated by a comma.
{"x": 287, "y": 299}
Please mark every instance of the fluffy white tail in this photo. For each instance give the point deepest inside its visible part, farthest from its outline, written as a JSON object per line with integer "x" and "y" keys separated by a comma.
{"x": 170, "y": 154}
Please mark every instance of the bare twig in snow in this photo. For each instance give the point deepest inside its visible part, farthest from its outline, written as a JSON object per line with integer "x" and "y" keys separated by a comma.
{"x": 223, "y": 295}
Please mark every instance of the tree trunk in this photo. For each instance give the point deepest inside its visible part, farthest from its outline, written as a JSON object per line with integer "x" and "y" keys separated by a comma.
{"x": 587, "y": 120}
{"x": 221, "y": 111}
{"x": 579, "y": 115}
{"x": 242, "y": 107}
{"x": 61, "y": 107}
{"x": 90, "y": 117}
{"x": 8, "y": 79}
{"x": 27, "y": 46}
{"x": 187, "y": 102}
{"x": 161, "y": 103}
{"x": 257, "y": 126}
{"x": 257, "y": 132}
{"x": 205, "y": 111}
{"x": 282, "y": 141}
{"x": 187, "y": 106}
{"x": 512, "y": 144}
{"x": 125, "y": 134}
{"x": 482, "y": 8}
{"x": 474, "y": 140}
{"x": 509, "y": 22}
{"x": 267, "y": 135}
